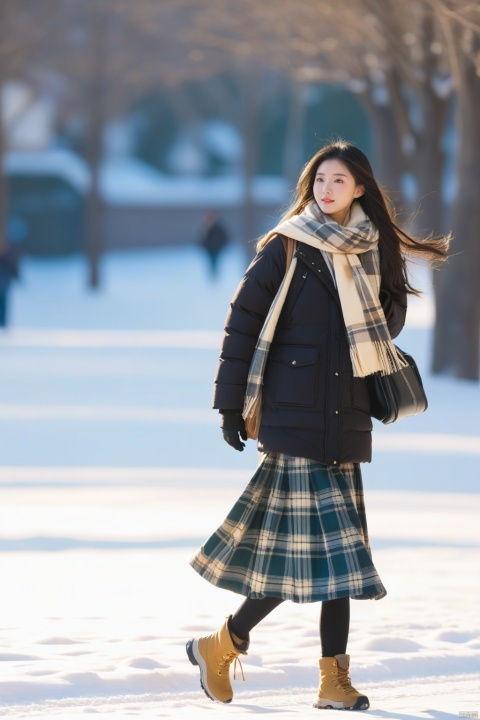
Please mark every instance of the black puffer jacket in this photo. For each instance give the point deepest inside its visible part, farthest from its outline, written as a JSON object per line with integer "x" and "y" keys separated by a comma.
{"x": 313, "y": 407}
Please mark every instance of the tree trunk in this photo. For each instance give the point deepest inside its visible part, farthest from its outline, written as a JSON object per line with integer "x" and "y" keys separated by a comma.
{"x": 388, "y": 158}
{"x": 296, "y": 121}
{"x": 4, "y": 9}
{"x": 3, "y": 179}
{"x": 429, "y": 157}
{"x": 429, "y": 164}
{"x": 250, "y": 139}
{"x": 456, "y": 340}
{"x": 97, "y": 89}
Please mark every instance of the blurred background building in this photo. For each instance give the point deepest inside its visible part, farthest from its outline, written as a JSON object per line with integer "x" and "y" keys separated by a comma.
{"x": 122, "y": 123}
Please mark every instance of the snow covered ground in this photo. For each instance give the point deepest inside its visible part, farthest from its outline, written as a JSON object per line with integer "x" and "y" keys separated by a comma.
{"x": 113, "y": 471}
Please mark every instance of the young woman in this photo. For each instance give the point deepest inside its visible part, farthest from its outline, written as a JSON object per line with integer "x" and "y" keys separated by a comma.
{"x": 298, "y": 532}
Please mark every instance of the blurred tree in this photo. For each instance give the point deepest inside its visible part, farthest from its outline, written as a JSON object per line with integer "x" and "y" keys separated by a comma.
{"x": 94, "y": 59}
{"x": 389, "y": 57}
{"x": 285, "y": 38}
{"x": 405, "y": 65}
{"x": 4, "y": 12}
{"x": 21, "y": 32}
{"x": 457, "y": 328}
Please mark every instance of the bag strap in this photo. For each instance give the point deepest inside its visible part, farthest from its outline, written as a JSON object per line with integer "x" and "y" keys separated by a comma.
{"x": 290, "y": 246}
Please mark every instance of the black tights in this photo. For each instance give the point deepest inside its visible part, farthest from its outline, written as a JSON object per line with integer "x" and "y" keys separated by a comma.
{"x": 334, "y": 621}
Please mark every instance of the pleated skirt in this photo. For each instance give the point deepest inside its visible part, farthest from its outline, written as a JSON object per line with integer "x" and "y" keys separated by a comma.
{"x": 297, "y": 532}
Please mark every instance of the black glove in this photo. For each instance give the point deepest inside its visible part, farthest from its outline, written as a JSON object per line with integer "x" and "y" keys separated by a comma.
{"x": 233, "y": 428}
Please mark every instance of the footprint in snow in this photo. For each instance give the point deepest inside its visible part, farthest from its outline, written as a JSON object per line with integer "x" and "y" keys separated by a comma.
{"x": 144, "y": 663}
{"x": 59, "y": 641}
{"x": 392, "y": 644}
{"x": 12, "y": 657}
{"x": 456, "y": 636}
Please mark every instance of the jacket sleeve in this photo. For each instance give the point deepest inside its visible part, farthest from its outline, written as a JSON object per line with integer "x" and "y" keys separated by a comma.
{"x": 395, "y": 312}
{"x": 248, "y": 309}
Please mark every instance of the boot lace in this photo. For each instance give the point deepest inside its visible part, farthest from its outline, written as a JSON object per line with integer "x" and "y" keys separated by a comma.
{"x": 225, "y": 662}
{"x": 344, "y": 683}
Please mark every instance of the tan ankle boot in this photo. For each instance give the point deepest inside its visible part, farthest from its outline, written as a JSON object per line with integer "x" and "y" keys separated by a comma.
{"x": 214, "y": 654}
{"x": 336, "y": 690}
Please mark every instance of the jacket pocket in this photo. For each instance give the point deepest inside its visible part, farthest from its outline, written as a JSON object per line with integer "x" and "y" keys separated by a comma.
{"x": 295, "y": 375}
{"x": 360, "y": 396}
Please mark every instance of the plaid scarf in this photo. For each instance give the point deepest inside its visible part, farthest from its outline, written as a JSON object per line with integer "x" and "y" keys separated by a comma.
{"x": 358, "y": 285}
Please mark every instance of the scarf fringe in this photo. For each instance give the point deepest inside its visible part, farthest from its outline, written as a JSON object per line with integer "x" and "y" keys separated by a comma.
{"x": 390, "y": 360}
{"x": 252, "y": 414}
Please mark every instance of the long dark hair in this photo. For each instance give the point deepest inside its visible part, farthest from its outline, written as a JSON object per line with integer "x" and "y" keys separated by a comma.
{"x": 394, "y": 243}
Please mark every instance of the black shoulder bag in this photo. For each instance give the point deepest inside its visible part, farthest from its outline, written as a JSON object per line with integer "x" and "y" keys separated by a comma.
{"x": 399, "y": 395}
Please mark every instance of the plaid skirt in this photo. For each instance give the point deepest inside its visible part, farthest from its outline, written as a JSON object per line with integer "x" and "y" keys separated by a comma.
{"x": 297, "y": 532}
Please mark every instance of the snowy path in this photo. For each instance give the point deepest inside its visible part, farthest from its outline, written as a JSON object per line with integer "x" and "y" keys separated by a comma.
{"x": 113, "y": 471}
{"x": 87, "y": 625}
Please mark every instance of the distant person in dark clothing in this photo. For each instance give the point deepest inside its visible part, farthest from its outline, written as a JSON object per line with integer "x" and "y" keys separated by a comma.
{"x": 8, "y": 273}
{"x": 213, "y": 240}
